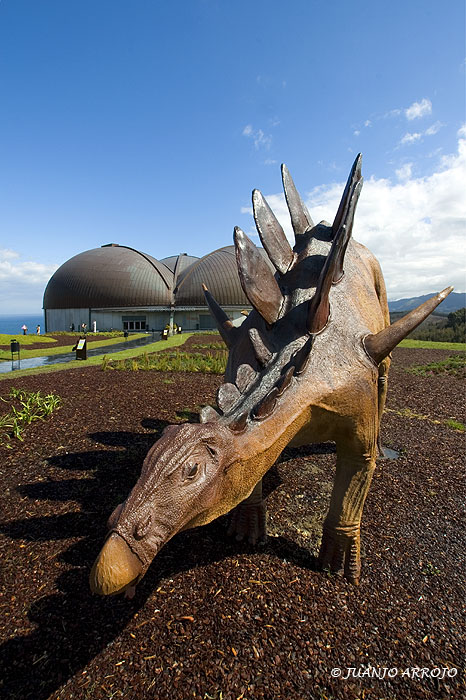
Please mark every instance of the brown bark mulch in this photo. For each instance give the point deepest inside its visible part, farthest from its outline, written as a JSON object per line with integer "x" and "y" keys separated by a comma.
{"x": 213, "y": 618}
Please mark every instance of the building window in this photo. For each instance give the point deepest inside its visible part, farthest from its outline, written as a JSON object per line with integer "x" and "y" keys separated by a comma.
{"x": 134, "y": 323}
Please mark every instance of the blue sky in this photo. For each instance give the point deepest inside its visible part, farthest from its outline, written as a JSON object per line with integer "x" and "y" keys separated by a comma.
{"x": 148, "y": 124}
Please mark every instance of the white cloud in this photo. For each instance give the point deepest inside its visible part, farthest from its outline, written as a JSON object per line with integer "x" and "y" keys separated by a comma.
{"x": 419, "y": 109}
{"x": 404, "y": 173}
{"x": 410, "y": 138}
{"x": 413, "y": 138}
{"x": 392, "y": 113}
{"x": 368, "y": 122}
{"x": 7, "y": 254}
{"x": 261, "y": 140}
{"x": 22, "y": 283}
{"x": 415, "y": 227}
{"x": 356, "y": 133}
{"x": 434, "y": 129}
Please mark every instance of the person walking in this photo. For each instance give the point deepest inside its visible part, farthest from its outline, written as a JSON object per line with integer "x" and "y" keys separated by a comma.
{"x": 38, "y": 330}
{"x": 24, "y": 328}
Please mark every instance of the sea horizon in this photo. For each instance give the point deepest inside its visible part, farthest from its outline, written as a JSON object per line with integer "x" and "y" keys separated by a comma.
{"x": 11, "y": 324}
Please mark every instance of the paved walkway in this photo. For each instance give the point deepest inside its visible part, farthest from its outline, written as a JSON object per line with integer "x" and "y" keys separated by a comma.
{"x": 8, "y": 365}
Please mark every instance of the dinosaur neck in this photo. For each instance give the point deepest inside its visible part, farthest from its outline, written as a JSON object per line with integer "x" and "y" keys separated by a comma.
{"x": 258, "y": 447}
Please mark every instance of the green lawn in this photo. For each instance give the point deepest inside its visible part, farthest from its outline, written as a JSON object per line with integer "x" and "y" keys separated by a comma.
{"x": 49, "y": 347}
{"x": 97, "y": 360}
{"x": 5, "y": 339}
{"x": 436, "y": 345}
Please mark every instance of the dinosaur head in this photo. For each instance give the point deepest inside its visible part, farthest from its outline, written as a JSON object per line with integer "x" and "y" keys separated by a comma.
{"x": 183, "y": 483}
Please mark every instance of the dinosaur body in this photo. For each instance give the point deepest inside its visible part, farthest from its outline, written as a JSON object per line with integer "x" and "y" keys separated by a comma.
{"x": 309, "y": 364}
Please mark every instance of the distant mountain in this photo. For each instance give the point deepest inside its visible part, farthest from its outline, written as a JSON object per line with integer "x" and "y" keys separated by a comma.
{"x": 454, "y": 301}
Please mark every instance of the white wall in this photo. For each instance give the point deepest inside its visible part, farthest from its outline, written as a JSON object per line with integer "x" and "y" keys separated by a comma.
{"x": 61, "y": 319}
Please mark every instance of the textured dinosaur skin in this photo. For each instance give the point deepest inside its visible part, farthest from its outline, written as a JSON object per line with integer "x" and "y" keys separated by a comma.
{"x": 309, "y": 364}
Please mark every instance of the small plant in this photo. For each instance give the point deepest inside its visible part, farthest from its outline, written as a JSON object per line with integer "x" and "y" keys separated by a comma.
{"x": 25, "y": 408}
{"x": 429, "y": 569}
{"x": 455, "y": 425}
{"x": 106, "y": 363}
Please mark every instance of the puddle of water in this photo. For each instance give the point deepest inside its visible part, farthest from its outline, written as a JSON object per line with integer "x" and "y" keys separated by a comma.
{"x": 388, "y": 453}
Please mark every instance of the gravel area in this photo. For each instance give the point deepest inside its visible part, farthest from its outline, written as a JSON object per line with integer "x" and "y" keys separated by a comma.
{"x": 213, "y": 619}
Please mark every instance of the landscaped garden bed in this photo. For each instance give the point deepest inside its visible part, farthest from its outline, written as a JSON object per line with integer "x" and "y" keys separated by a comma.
{"x": 213, "y": 618}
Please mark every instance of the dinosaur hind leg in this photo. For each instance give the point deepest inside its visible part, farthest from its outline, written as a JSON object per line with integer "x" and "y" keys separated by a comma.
{"x": 340, "y": 547}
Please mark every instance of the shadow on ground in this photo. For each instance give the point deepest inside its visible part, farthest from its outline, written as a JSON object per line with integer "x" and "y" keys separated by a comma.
{"x": 73, "y": 626}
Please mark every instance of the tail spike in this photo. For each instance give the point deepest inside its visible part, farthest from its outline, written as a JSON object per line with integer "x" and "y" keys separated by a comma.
{"x": 285, "y": 380}
{"x": 300, "y": 217}
{"x": 301, "y": 357}
{"x": 257, "y": 280}
{"x": 227, "y": 396}
{"x": 332, "y": 271}
{"x": 379, "y": 345}
{"x": 238, "y": 425}
{"x": 224, "y": 325}
{"x": 261, "y": 351}
{"x": 265, "y": 408}
{"x": 245, "y": 376}
{"x": 348, "y": 223}
{"x": 353, "y": 178}
{"x": 271, "y": 234}
{"x": 208, "y": 414}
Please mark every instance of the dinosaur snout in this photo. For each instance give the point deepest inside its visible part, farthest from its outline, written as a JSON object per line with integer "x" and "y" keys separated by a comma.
{"x": 116, "y": 569}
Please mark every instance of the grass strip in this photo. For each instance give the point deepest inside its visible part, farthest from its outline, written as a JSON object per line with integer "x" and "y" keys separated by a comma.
{"x": 6, "y": 338}
{"x": 173, "y": 341}
{"x": 431, "y": 344}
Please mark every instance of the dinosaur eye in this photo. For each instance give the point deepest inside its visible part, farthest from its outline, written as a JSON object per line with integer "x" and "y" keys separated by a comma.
{"x": 142, "y": 528}
{"x": 190, "y": 471}
{"x": 213, "y": 453}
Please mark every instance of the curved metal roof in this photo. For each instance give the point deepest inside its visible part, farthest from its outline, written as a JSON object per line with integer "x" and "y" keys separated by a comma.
{"x": 111, "y": 276}
{"x": 218, "y": 271}
{"x": 179, "y": 264}
{"x": 116, "y": 276}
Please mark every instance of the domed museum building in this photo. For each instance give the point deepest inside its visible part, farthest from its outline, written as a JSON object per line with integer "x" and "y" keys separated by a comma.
{"x": 120, "y": 288}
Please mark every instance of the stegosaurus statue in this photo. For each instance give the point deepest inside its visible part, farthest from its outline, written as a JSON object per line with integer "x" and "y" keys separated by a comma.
{"x": 309, "y": 364}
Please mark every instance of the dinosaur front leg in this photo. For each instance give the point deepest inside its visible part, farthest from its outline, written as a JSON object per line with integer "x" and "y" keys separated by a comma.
{"x": 340, "y": 547}
{"x": 248, "y": 520}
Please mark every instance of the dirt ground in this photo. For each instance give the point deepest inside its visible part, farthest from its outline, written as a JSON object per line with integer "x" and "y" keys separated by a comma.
{"x": 214, "y": 619}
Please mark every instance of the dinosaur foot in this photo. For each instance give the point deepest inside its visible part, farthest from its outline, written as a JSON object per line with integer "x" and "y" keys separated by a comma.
{"x": 340, "y": 552}
{"x": 248, "y": 522}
